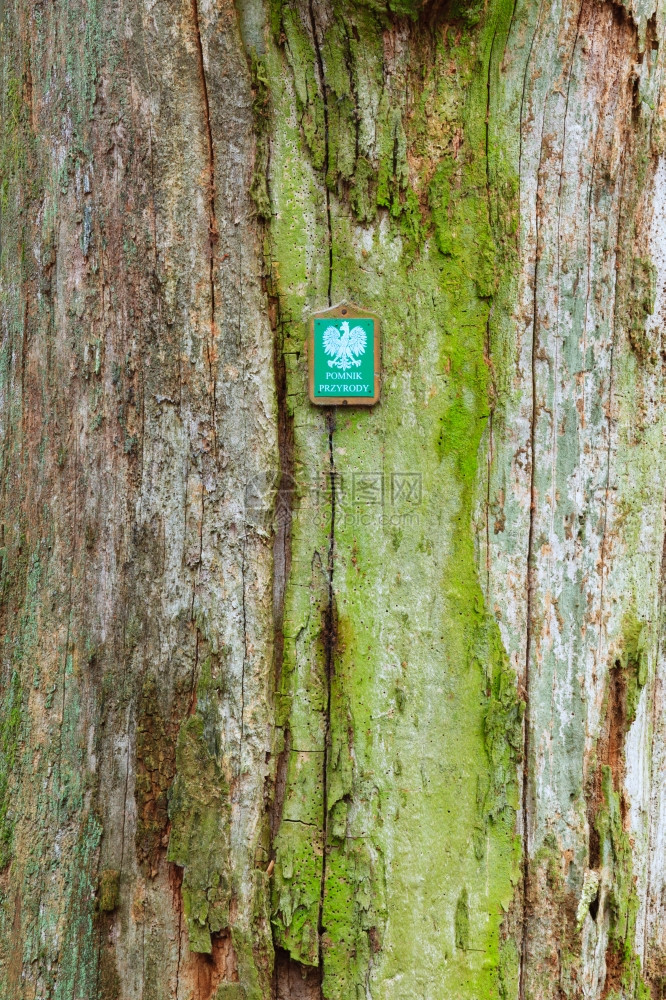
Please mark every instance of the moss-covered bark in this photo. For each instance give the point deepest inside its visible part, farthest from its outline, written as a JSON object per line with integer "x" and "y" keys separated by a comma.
{"x": 297, "y": 703}
{"x": 383, "y": 510}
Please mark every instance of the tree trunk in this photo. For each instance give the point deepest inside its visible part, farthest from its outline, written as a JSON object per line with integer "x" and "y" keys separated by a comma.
{"x": 304, "y": 702}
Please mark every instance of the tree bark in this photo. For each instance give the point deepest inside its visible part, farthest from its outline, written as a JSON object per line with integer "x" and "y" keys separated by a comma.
{"x": 301, "y": 702}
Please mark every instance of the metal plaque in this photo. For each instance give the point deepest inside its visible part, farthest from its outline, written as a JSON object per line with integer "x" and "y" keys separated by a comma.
{"x": 344, "y": 357}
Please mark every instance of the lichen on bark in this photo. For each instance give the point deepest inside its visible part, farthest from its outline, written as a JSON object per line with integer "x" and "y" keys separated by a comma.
{"x": 412, "y": 237}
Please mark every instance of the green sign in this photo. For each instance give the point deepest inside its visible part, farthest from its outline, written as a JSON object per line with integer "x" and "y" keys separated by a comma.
{"x": 344, "y": 357}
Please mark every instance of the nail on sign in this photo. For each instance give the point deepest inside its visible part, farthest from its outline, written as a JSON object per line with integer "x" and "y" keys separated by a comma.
{"x": 344, "y": 357}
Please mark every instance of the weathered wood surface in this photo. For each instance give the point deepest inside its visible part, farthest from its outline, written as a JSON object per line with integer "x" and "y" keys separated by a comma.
{"x": 301, "y": 703}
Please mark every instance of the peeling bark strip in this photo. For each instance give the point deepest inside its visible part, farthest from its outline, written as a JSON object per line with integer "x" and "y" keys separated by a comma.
{"x": 292, "y": 708}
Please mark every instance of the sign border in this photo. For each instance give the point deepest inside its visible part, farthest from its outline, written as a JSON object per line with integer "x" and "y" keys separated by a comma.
{"x": 334, "y": 312}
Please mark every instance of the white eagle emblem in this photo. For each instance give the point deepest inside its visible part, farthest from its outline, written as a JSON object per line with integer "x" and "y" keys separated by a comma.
{"x": 346, "y": 346}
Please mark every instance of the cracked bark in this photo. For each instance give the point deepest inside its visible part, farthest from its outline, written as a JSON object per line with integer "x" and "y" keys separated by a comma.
{"x": 330, "y": 651}
{"x": 260, "y": 721}
{"x": 213, "y": 230}
{"x": 324, "y": 95}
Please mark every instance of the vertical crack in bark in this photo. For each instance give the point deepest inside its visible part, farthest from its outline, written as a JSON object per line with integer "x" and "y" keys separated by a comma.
{"x": 69, "y": 611}
{"x": 556, "y": 359}
{"x": 349, "y": 63}
{"x": 489, "y": 464}
{"x": 244, "y": 664}
{"x": 330, "y": 630}
{"x": 282, "y": 542}
{"x": 609, "y": 419}
{"x": 143, "y": 958}
{"x": 284, "y": 497}
{"x": 488, "y": 74}
{"x": 244, "y": 545}
{"x": 656, "y": 762}
{"x": 329, "y": 623}
{"x": 24, "y": 348}
{"x": 488, "y": 338}
{"x": 589, "y": 264}
{"x": 532, "y": 490}
{"x": 195, "y": 667}
{"x": 322, "y": 80}
{"x": 178, "y": 889}
{"x": 212, "y": 219}
{"x": 522, "y": 116}
{"x": 530, "y": 587}
{"x": 125, "y": 794}
{"x": 212, "y": 239}
{"x": 616, "y": 709}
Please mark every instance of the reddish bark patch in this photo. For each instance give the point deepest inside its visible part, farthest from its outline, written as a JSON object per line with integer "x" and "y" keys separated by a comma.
{"x": 14, "y": 965}
{"x": 611, "y": 748}
{"x": 175, "y": 884}
{"x": 614, "y": 969}
{"x": 618, "y": 717}
{"x": 206, "y": 972}
{"x": 610, "y": 753}
{"x": 294, "y": 981}
{"x": 203, "y": 973}
{"x": 551, "y": 908}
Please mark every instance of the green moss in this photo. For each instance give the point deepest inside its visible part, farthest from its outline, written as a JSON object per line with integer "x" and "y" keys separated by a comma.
{"x": 462, "y": 921}
{"x": 616, "y": 852}
{"x": 363, "y": 191}
{"x": 260, "y": 112}
{"x": 10, "y": 737}
{"x": 299, "y": 848}
{"x": 622, "y": 898}
{"x": 252, "y": 946}
{"x": 297, "y": 891}
{"x": 13, "y": 147}
{"x": 275, "y": 18}
{"x": 230, "y": 991}
{"x": 352, "y": 914}
{"x": 498, "y": 791}
{"x": 199, "y": 811}
{"x": 508, "y": 970}
{"x": 310, "y": 103}
{"x": 616, "y": 857}
{"x": 640, "y": 301}
{"x": 633, "y": 661}
{"x": 407, "y": 8}
{"x": 109, "y": 890}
